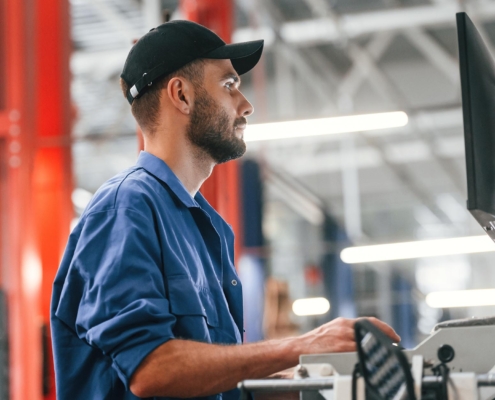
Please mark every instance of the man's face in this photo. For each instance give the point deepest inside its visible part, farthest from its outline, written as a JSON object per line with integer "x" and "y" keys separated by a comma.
{"x": 218, "y": 116}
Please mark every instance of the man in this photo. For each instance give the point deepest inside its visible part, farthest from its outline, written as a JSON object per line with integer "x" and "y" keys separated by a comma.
{"x": 147, "y": 302}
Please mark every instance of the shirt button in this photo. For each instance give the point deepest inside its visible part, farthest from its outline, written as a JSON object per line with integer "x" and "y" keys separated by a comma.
{"x": 234, "y": 282}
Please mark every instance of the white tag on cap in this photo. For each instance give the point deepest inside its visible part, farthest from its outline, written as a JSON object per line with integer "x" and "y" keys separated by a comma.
{"x": 134, "y": 92}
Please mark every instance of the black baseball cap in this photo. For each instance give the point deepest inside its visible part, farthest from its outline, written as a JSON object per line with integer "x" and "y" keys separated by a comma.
{"x": 172, "y": 45}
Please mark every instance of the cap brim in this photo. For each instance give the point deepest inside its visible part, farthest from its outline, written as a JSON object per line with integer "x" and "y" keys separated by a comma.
{"x": 244, "y": 56}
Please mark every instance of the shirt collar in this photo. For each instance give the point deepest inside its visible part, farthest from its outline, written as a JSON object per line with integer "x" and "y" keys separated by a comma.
{"x": 162, "y": 171}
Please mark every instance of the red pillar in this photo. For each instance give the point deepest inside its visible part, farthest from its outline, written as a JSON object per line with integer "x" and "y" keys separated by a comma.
{"x": 52, "y": 173}
{"x": 222, "y": 187}
{"x": 21, "y": 269}
{"x": 36, "y": 183}
{"x": 22, "y": 275}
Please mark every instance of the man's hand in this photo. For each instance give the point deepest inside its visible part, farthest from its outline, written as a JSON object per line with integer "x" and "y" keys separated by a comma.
{"x": 337, "y": 336}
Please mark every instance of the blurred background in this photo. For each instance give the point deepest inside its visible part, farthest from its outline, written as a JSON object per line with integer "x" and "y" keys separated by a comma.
{"x": 296, "y": 200}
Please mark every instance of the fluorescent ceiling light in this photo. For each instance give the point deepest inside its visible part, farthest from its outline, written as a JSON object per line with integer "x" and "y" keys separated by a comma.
{"x": 418, "y": 249}
{"x": 324, "y": 126}
{"x": 311, "y": 306}
{"x": 461, "y": 298}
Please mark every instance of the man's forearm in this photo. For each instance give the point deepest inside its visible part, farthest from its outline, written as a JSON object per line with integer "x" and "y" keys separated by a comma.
{"x": 182, "y": 368}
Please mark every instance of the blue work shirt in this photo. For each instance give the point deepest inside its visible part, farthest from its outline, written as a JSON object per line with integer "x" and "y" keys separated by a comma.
{"x": 146, "y": 263}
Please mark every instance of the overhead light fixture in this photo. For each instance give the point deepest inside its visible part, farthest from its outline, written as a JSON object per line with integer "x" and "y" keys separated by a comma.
{"x": 311, "y": 306}
{"x": 418, "y": 249}
{"x": 461, "y": 298}
{"x": 324, "y": 126}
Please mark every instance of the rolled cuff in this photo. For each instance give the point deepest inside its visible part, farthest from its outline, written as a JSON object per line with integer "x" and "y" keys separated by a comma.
{"x": 127, "y": 361}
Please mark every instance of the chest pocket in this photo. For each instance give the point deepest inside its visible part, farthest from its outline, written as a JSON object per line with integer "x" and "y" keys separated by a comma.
{"x": 194, "y": 308}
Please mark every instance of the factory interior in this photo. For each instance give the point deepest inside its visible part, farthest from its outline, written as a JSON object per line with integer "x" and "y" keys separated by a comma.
{"x": 356, "y": 140}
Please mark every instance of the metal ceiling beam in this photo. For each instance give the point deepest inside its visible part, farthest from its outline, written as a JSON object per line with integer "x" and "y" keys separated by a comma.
{"x": 357, "y": 75}
{"x": 376, "y": 78}
{"x": 306, "y": 72}
{"x": 152, "y": 13}
{"x": 325, "y": 29}
{"x": 362, "y": 59}
{"x": 116, "y": 20}
{"x": 292, "y": 55}
{"x": 318, "y": 7}
{"x": 434, "y": 53}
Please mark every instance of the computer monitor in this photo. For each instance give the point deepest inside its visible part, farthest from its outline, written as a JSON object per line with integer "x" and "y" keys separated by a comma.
{"x": 478, "y": 107}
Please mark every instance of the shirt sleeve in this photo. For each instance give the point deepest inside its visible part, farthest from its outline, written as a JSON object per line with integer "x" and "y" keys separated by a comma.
{"x": 114, "y": 294}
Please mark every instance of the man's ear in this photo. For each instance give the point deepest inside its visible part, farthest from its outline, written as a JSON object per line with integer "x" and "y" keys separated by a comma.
{"x": 180, "y": 93}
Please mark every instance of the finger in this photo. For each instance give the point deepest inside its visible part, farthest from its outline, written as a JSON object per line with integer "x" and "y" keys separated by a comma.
{"x": 348, "y": 340}
{"x": 350, "y": 334}
{"x": 349, "y": 346}
{"x": 385, "y": 328}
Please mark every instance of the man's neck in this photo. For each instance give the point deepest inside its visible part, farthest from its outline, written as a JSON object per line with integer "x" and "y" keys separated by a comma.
{"x": 191, "y": 166}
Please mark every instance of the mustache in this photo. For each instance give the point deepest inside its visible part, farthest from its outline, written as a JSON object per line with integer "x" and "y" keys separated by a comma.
{"x": 240, "y": 121}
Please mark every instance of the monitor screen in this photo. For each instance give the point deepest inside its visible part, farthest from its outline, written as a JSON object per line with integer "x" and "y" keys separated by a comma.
{"x": 478, "y": 106}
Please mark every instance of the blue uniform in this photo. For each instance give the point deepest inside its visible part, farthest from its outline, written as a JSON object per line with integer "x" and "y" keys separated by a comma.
{"x": 146, "y": 263}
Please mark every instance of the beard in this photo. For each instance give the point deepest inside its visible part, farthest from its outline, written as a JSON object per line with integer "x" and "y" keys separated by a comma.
{"x": 211, "y": 130}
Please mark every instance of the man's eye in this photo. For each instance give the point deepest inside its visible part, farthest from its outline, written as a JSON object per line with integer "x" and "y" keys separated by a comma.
{"x": 229, "y": 85}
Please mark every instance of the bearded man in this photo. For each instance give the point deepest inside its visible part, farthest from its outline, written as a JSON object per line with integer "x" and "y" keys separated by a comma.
{"x": 147, "y": 302}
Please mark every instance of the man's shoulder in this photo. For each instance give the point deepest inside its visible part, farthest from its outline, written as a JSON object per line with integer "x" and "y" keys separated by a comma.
{"x": 134, "y": 189}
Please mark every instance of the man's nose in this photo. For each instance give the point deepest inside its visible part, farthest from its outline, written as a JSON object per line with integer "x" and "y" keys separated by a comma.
{"x": 245, "y": 107}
